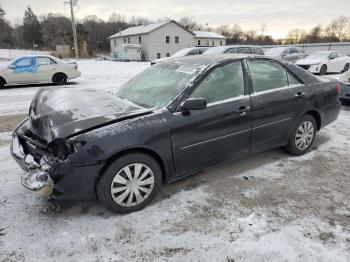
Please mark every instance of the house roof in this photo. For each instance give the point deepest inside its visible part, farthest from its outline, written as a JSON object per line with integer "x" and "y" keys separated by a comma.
{"x": 204, "y": 34}
{"x": 143, "y": 29}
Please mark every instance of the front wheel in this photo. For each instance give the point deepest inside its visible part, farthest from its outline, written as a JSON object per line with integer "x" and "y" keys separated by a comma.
{"x": 323, "y": 70}
{"x": 129, "y": 183}
{"x": 345, "y": 102}
{"x": 303, "y": 136}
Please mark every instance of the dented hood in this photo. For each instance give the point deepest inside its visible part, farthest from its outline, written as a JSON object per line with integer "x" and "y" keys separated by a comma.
{"x": 61, "y": 112}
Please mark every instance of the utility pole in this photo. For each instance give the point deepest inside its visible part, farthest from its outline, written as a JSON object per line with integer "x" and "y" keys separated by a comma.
{"x": 74, "y": 30}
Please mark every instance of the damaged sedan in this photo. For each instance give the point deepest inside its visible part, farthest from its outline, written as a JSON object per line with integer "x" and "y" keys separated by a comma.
{"x": 172, "y": 120}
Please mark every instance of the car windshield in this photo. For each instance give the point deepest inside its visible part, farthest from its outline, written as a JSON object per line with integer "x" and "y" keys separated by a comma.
{"x": 318, "y": 55}
{"x": 158, "y": 85}
{"x": 275, "y": 51}
{"x": 182, "y": 52}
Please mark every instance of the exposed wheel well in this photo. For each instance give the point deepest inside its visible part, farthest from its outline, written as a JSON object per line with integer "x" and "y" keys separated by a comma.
{"x": 136, "y": 150}
{"x": 3, "y": 80}
{"x": 317, "y": 117}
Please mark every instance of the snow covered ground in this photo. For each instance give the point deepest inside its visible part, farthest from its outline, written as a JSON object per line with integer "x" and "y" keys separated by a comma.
{"x": 266, "y": 207}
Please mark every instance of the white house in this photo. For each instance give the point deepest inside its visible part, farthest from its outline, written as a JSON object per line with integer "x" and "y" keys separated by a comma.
{"x": 157, "y": 40}
{"x": 208, "y": 39}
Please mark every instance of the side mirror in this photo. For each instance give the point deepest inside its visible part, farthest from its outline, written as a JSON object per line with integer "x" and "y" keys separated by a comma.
{"x": 12, "y": 66}
{"x": 331, "y": 57}
{"x": 194, "y": 104}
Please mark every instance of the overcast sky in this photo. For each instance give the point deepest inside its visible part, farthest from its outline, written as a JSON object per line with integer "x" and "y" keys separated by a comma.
{"x": 279, "y": 15}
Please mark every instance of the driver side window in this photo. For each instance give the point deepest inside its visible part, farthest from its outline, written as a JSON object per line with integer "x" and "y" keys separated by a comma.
{"x": 221, "y": 84}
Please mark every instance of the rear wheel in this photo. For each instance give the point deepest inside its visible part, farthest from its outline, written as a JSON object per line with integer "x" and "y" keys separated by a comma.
{"x": 303, "y": 136}
{"x": 129, "y": 183}
{"x": 59, "y": 79}
{"x": 346, "y": 68}
{"x": 2, "y": 83}
{"x": 323, "y": 70}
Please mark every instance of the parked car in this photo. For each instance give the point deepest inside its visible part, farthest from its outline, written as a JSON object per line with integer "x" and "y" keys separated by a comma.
{"x": 170, "y": 121}
{"x": 290, "y": 54}
{"x": 344, "y": 89}
{"x": 236, "y": 49}
{"x": 38, "y": 69}
{"x": 324, "y": 62}
{"x": 183, "y": 52}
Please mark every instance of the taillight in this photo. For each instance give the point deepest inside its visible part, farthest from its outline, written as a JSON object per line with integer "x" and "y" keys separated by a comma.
{"x": 338, "y": 88}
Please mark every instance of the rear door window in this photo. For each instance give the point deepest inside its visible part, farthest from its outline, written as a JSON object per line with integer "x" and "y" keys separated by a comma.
{"x": 267, "y": 75}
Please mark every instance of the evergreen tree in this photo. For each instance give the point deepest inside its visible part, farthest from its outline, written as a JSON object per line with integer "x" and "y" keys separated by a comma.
{"x": 31, "y": 28}
{"x": 6, "y": 31}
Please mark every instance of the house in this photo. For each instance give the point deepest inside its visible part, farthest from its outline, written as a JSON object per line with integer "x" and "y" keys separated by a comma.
{"x": 157, "y": 40}
{"x": 208, "y": 39}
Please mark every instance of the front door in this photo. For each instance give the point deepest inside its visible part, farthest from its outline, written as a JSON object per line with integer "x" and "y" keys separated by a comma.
{"x": 23, "y": 71}
{"x": 46, "y": 69}
{"x": 222, "y": 130}
{"x": 278, "y": 99}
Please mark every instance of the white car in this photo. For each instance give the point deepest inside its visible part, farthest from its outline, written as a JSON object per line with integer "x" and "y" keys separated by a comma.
{"x": 324, "y": 62}
{"x": 38, "y": 69}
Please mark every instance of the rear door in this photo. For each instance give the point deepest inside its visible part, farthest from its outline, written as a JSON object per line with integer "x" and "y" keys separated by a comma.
{"x": 222, "y": 130}
{"x": 278, "y": 99}
{"x": 46, "y": 69}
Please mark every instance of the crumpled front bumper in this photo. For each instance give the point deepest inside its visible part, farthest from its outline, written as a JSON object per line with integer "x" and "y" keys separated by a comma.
{"x": 35, "y": 175}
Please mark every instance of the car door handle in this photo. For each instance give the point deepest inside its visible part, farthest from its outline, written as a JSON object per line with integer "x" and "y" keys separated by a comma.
{"x": 300, "y": 95}
{"x": 243, "y": 110}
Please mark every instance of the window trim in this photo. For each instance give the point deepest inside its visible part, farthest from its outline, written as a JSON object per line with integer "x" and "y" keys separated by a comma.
{"x": 175, "y": 107}
{"x": 254, "y": 93}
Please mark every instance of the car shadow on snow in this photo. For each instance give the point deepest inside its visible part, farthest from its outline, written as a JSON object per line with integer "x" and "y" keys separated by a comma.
{"x": 39, "y": 85}
{"x": 229, "y": 170}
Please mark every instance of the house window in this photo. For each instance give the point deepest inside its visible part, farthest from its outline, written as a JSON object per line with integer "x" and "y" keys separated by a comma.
{"x": 176, "y": 39}
{"x": 199, "y": 42}
{"x": 220, "y": 42}
{"x": 128, "y": 40}
{"x": 140, "y": 39}
{"x": 213, "y": 43}
{"x": 168, "y": 54}
{"x": 207, "y": 42}
{"x": 124, "y": 40}
{"x": 159, "y": 55}
{"x": 167, "y": 39}
{"x": 115, "y": 42}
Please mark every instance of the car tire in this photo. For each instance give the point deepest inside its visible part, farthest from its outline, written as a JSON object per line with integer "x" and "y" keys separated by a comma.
{"x": 303, "y": 136}
{"x": 59, "y": 79}
{"x": 346, "y": 68}
{"x": 124, "y": 183}
{"x": 323, "y": 70}
{"x": 345, "y": 102}
{"x": 2, "y": 83}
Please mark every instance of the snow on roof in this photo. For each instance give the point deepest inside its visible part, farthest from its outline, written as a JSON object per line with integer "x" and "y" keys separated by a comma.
{"x": 204, "y": 34}
{"x": 142, "y": 29}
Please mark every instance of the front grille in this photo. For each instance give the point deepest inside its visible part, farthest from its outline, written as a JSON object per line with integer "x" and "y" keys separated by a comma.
{"x": 306, "y": 67}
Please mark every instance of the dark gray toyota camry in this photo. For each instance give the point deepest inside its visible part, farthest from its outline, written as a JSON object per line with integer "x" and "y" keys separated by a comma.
{"x": 170, "y": 121}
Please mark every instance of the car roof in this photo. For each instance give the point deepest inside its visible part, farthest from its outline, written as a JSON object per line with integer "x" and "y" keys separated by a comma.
{"x": 207, "y": 59}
